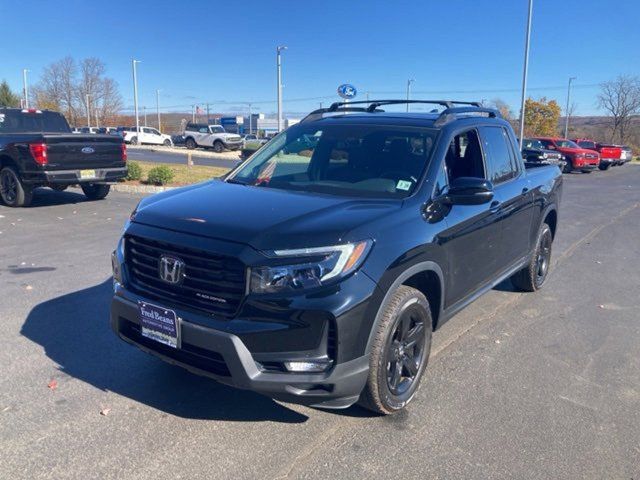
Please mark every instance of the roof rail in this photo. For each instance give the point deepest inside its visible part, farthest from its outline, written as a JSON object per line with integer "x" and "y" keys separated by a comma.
{"x": 452, "y": 113}
{"x": 373, "y": 106}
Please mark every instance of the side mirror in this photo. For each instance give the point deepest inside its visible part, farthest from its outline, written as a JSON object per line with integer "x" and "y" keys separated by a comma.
{"x": 468, "y": 191}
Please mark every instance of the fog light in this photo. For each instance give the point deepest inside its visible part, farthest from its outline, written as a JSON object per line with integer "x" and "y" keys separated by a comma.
{"x": 312, "y": 366}
{"x": 115, "y": 266}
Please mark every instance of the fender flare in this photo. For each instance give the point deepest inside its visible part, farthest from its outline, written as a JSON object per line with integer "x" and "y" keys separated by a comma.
{"x": 427, "y": 266}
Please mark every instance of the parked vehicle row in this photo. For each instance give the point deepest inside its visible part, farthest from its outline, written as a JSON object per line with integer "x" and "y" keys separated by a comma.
{"x": 609, "y": 154}
{"x": 38, "y": 149}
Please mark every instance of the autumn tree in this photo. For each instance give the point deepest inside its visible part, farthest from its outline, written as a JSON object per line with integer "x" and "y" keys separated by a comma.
{"x": 7, "y": 97}
{"x": 503, "y": 107}
{"x": 541, "y": 117}
{"x": 620, "y": 98}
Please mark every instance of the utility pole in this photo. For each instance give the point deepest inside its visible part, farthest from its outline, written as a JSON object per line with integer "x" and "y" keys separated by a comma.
{"x": 135, "y": 95}
{"x": 26, "y": 88}
{"x": 320, "y": 104}
{"x": 250, "y": 121}
{"x": 87, "y": 96}
{"x": 279, "y": 67}
{"x": 158, "y": 109}
{"x": 144, "y": 110}
{"x": 208, "y": 119}
{"x": 566, "y": 112}
{"x": 525, "y": 72}
{"x": 193, "y": 113}
{"x": 409, "y": 82}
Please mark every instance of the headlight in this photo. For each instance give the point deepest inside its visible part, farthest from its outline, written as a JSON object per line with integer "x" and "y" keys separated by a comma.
{"x": 322, "y": 265}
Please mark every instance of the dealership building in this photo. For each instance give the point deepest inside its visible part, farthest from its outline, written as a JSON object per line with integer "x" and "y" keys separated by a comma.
{"x": 257, "y": 122}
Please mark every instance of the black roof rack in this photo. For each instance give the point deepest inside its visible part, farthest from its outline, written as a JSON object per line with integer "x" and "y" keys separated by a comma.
{"x": 450, "y": 112}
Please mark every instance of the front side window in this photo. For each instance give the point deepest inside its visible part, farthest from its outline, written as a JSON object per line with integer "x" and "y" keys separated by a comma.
{"x": 464, "y": 157}
{"x": 216, "y": 129}
{"x": 500, "y": 155}
{"x": 369, "y": 160}
{"x": 589, "y": 145}
{"x": 566, "y": 144}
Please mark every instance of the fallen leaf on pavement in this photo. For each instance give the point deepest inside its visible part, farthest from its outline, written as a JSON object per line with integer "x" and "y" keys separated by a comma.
{"x": 105, "y": 411}
{"x": 53, "y": 384}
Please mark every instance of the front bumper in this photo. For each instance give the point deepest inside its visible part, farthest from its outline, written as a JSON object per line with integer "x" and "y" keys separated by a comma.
{"x": 233, "y": 146}
{"x": 223, "y": 356}
{"x": 73, "y": 177}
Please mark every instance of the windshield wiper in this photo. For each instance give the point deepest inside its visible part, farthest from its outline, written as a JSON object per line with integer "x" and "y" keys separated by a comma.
{"x": 236, "y": 181}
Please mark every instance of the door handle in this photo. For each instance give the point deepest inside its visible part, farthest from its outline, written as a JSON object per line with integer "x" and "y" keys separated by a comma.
{"x": 495, "y": 206}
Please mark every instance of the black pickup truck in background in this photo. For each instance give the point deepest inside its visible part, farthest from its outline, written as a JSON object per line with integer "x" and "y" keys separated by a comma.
{"x": 37, "y": 149}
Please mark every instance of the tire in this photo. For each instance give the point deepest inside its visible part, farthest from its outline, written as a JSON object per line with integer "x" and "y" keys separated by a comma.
{"x": 95, "y": 191}
{"x": 604, "y": 166}
{"x": 532, "y": 277}
{"x": 218, "y": 146}
{"x": 190, "y": 143}
{"x": 14, "y": 193}
{"x": 58, "y": 188}
{"x": 568, "y": 168}
{"x": 406, "y": 318}
{"x": 134, "y": 141}
{"x": 167, "y": 143}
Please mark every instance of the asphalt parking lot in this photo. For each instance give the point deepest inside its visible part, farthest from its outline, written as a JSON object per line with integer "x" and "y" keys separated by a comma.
{"x": 534, "y": 386}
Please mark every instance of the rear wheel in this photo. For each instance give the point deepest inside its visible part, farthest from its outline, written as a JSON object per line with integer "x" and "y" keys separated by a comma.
{"x": 13, "y": 192}
{"x": 604, "y": 166}
{"x": 533, "y": 276}
{"x": 399, "y": 353}
{"x": 218, "y": 146}
{"x": 167, "y": 143}
{"x": 190, "y": 143}
{"x": 134, "y": 141}
{"x": 95, "y": 191}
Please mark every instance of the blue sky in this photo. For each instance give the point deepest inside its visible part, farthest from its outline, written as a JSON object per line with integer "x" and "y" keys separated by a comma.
{"x": 199, "y": 51}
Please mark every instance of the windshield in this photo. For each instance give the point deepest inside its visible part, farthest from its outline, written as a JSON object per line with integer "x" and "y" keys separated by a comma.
{"x": 17, "y": 121}
{"x": 217, "y": 130}
{"x": 533, "y": 144}
{"x": 566, "y": 144}
{"x": 370, "y": 160}
{"x": 591, "y": 145}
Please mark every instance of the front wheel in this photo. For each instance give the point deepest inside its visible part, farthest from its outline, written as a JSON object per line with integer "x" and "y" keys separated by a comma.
{"x": 567, "y": 167}
{"x": 190, "y": 143}
{"x": 533, "y": 276}
{"x": 604, "y": 166}
{"x": 399, "y": 353}
{"x": 167, "y": 143}
{"x": 95, "y": 191}
{"x": 13, "y": 192}
{"x": 218, "y": 146}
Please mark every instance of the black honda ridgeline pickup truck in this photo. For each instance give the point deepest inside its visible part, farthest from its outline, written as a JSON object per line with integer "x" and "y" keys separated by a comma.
{"x": 316, "y": 271}
{"x": 37, "y": 149}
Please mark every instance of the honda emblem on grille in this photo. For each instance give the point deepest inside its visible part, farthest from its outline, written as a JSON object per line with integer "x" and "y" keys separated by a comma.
{"x": 171, "y": 269}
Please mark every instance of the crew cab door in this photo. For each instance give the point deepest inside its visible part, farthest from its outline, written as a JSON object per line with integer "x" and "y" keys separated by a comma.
{"x": 513, "y": 200}
{"x": 472, "y": 237}
{"x": 152, "y": 136}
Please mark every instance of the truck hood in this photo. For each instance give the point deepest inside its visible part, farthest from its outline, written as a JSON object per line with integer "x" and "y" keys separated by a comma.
{"x": 264, "y": 218}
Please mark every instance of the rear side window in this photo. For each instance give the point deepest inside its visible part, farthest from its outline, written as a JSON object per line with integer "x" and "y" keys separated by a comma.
{"x": 16, "y": 121}
{"x": 497, "y": 147}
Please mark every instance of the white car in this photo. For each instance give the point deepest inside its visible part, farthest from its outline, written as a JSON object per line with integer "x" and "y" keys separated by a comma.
{"x": 146, "y": 136}
{"x": 210, "y": 136}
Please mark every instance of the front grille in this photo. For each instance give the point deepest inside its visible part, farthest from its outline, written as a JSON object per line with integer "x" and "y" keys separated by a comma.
{"x": 197, "y": 357}
{"x": 591, "y": 155}
{"x": 212, "y": 283}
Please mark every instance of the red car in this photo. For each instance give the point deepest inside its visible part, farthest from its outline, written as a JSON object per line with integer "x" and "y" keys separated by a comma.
{"x": 609, "y": 154}
{"x": 577, "y": 158}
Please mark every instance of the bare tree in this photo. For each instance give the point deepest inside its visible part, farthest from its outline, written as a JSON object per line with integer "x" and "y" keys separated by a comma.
{"x": 57, "y": 88}
{"x": 503, "y": 107}
{"x": 620, "y": 98}
{"x": 110, "y": 102}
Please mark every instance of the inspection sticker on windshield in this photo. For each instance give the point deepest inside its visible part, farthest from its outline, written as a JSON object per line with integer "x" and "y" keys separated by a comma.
{"x": 403, "y": 185}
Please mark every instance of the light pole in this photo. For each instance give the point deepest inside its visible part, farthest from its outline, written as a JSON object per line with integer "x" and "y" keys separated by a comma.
{"x": 87, "y": 96}
{"x": 409, "y": 82}
{"x": 135, "y": 94}
{"x": 26, "y": 88}
{"x": 250, "y": 121}
{"x": 279, "y": 66}
{"x": 566, "y": 112}
{"x": 158, "y": 108}
{"x": 525, "y": 71}
{"x": 144, "y": 114}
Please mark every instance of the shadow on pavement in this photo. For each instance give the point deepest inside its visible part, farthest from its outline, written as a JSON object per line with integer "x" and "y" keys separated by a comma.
{"x": 74, "y": 331}
{"x": 45, "y": 197}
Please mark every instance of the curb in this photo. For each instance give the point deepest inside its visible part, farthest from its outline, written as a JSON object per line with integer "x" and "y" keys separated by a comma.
{"x": 140, "y": 188}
